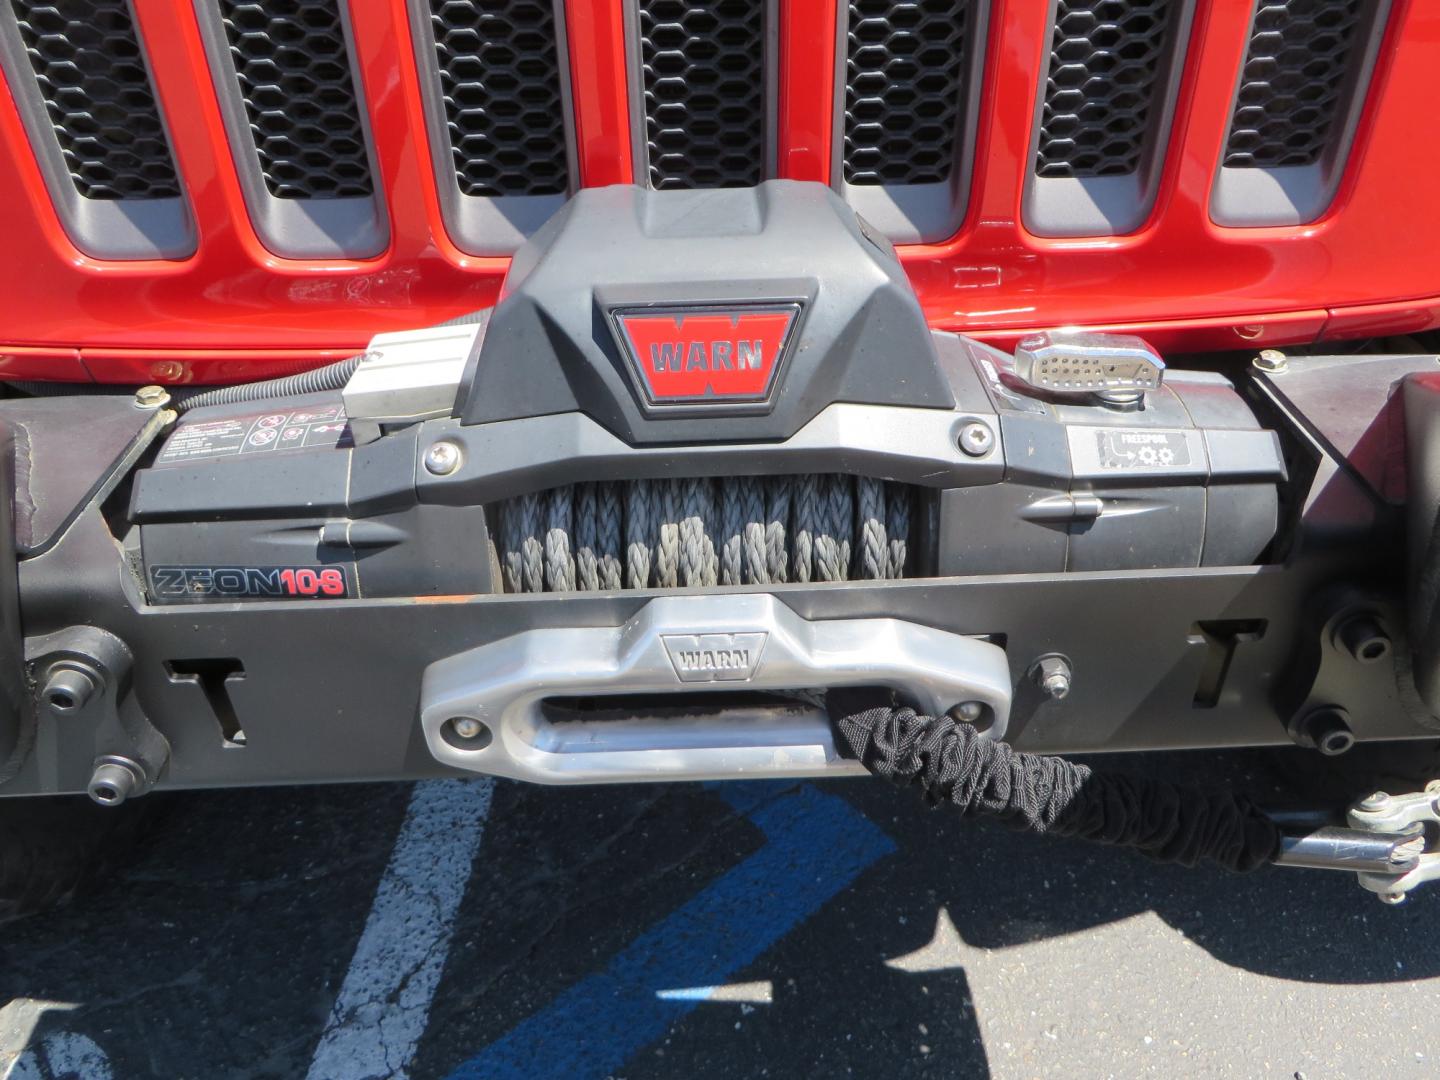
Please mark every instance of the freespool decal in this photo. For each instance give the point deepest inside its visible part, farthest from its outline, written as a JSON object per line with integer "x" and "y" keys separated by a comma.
{"x": 707, "y": 355}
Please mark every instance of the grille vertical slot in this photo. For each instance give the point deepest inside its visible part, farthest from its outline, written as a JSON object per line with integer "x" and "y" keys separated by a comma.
{"x": 293, "y": 66}
{"x": 1106, "y": 62}
{"x": 87, "y": 62}
{"x": 495, "y": 74}
{"x": 706, "y": 83}
{"x": 500, "y": 72}
{"x": 295, "y": 114}
{"x": 908, "y": 88}
{"x": 78, "y": 72}
{"x": 1290, "y": 91}
{"x": 1307, "y": 66}
{"x": 1103, "y": 118}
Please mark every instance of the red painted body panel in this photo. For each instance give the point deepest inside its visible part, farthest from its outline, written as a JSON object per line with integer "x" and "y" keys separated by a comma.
{"x": 235, "y": 310}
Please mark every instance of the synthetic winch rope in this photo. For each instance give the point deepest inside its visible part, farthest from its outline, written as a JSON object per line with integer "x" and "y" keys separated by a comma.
{"x": 951, "y": 762}
{"x": 693, "y": 532}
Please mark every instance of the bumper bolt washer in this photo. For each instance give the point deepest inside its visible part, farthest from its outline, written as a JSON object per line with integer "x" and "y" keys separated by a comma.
{"x": 1053, "y": 675}
{"x": 151, "y": 397}
{"x": 1272, "y": 361}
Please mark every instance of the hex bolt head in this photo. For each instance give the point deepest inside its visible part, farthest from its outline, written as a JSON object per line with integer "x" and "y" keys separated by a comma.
{"x": 67, "y": 690}
{"x": 1053, "y": 675}
{"x": 151, "y": 397}
{"x": 976, "y": 439}
{"x": 1327, "y": 729}
{"x": 442, "y": 459}
{"x": 1363, "y": 638}
{"x": 114, "y": 780}
{"x": 1272, "y": 360}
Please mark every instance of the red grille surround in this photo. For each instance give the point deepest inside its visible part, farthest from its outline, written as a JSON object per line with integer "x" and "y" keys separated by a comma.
{"x": 235, "y": 310}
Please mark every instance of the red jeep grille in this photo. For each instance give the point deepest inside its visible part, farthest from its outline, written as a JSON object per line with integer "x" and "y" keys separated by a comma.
{"x": 279, "y": 179}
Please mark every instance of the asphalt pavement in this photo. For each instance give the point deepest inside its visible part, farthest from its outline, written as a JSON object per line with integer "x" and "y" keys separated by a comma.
{"x": 479, "y": 929}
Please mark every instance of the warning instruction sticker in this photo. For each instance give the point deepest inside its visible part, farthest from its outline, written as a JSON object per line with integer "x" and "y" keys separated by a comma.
{"x": 316, "y": 427}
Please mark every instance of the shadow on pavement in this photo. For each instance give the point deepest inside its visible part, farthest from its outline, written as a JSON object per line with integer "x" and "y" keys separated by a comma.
{"x": 219, "y": 950}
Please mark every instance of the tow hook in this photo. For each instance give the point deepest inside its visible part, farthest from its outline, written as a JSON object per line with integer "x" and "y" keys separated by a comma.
{"x": 1390, "y": 842}
{"x": 1416, "y": 816}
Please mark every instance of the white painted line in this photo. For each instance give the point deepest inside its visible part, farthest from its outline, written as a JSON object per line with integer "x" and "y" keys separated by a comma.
{"x": 384, "y": 1003}
{"x": 746, "y": 993}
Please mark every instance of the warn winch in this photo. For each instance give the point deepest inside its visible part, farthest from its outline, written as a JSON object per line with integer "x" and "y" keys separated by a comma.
{"x": 703, "y": 467}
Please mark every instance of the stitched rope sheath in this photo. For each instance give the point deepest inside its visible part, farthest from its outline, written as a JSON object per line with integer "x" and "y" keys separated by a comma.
{"x": 950, "y": 762}
{"x": 699, "y": 532}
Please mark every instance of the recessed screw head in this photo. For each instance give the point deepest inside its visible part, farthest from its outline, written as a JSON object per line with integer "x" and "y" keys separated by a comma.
{"x": 1377, "y": 801}
{"x": 976, "y": 439}
{"x": 442, "y": 459}
{"x": 151, "y": 397}
{"x": 1272, "y": 360}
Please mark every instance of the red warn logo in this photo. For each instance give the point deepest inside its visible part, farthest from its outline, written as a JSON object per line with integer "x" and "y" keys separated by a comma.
{"x": 707, "y": 355}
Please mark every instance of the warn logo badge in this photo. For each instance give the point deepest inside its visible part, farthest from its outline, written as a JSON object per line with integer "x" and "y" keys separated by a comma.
{"x": 706, "y": 355}
{"x": 715, "y": 657}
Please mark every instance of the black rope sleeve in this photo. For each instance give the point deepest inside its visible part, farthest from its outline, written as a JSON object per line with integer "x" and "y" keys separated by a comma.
{"x": 950, "y": 762}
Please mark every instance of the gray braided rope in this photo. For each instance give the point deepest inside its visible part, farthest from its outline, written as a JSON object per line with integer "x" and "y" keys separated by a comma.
{"x": 667, "y": 549}
{"x": 732, "y": 529}
{"x": 751, "y": 497}
{"x": 897, "y": 528}
{"x": 805, "y": 511}
{"x": 587, "y": 559}
{"x": 559, "y": 523}
{"x": 832, "y": 540}
{"x": 874, "y": 556}
{"x": 640, "y": 518}
{"x": 777, "y": 521}
{"x": 699, "y": 565}
{"x": 608, "y": 508}
{"x": 702, "y": 532}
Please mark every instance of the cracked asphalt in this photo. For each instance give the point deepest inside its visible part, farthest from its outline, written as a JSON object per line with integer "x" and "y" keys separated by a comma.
{"x": 958, "y": 950}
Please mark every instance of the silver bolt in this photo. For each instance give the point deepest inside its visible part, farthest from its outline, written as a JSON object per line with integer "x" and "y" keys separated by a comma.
{"x": 1053, "y": 675}
{"x": 442, "y": 459}
{"x": 968, "y": 711}
{"x": 1392, "y": 898}
{"x": 467, "y": 727}
{"x": 976, "y": 439}
{"x": 114, "y": 780}
{"x": 1377, "y": 801}
{"x": 67, "y": 690}
{"x": 151, "y": 397}
{"x": 1272, "y": 360}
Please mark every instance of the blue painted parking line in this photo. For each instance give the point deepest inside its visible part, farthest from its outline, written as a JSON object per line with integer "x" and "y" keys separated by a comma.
{"x": 816, "y": 845}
